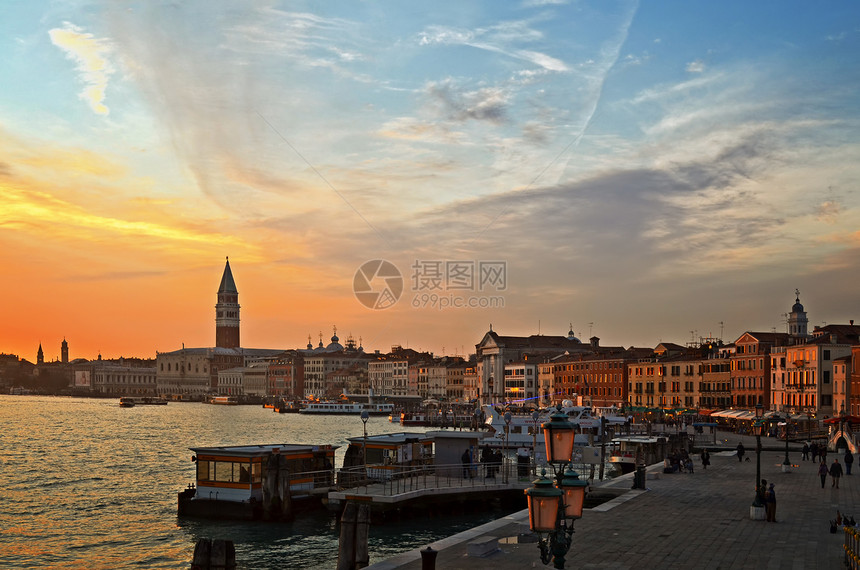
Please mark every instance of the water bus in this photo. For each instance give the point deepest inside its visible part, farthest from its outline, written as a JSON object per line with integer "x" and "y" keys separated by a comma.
{"x": 131, "y": 401}
{"x": 256, "y": 481}
{"x": 346, "y": 408}
{"x": 224, "y": 400}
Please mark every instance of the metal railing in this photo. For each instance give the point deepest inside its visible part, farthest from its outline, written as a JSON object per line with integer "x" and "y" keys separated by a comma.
{"x": 852, "y": 547}
{"x": 405, "y": 479}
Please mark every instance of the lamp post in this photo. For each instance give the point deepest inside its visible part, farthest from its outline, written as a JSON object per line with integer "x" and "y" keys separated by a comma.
{"x": 507, "y": 417}
{"x": 364, "y": 417}
{"x": 553, "y": 508}
{"x": 786, "y": 464}
{"x": 535, "y": 416}
{"x": 758, "y": 426}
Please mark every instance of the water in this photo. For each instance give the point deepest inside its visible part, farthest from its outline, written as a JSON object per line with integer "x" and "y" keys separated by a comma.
{"x": 87, "y": 484}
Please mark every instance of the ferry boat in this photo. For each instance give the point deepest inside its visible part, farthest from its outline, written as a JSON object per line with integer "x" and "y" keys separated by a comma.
{"x": 256, "y": 481}
{"x": 625, "y": 450}
{"x": 131, "y": 401}
{"x": 225, "y": 400}
{"x": 346, "y": 408}
{"x": 524, "y": 430}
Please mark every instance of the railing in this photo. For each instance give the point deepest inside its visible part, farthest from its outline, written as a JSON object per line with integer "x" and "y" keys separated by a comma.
{"x": 851, "y": 546}
{"x": 405, "y": 479}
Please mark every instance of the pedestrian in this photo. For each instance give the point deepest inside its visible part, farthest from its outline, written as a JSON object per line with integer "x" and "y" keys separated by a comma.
{"x": 487, "y": 459}
{"x": 813, "y": 450}
{"x": 805, "y": 451}
{"x": 741, "y": 451}
{"x": 822, "y": 472}
{"x": 770, "y": 504}
{"x": 689, "y": 465}
{"x": 466, "y": 458}
{"x": 835, "y": 472}
{"x": 849, "y": 461}
{"x": 706, "y": 458}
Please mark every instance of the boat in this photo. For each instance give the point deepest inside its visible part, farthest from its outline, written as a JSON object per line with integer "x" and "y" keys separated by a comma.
{"x": 524, "y": 430}
{"x": 388, "y": 455}
{"x": 224, "y": 400}
{"x": 131, "y": 401}
{"x": 346, "y": 408}
{"x": 252, "y": 482}
{"x": 629, "y": 450}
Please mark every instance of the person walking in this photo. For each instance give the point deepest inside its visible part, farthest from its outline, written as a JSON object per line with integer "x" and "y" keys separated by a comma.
{"x": 835, "y": 472}
{"x": 770, "y": 504}
{"x": 805, "y": 450}
{"x": 822, "y": 472}
{"x": 849, "y": 461}
{"x": 741, "y": 451}
{"x": 706, "y": 458}
{"x": 813, "y": 449}
{"x": 466, "y": 458}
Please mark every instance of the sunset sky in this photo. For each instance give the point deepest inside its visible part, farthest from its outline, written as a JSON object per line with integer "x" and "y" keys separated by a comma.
{"x": 648, "y": 172}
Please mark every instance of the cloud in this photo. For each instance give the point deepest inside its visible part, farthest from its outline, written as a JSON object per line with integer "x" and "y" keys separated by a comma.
{"x": 90, "y": 55}
{"x": 697, "y": 66}
{"x": 487, "y": 104}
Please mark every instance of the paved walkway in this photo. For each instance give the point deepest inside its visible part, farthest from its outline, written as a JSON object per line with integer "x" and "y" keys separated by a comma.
{"x": 685, "y": 521}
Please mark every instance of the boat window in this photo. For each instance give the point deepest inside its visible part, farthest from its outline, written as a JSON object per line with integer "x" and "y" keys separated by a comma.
{"x": 202, "y": 470}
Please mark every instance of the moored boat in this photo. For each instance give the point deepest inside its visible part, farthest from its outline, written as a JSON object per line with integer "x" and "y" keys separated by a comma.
{"x": 256, "y": 481}
{"x": 127, "y": 402}
{"x": 346, "y": 408}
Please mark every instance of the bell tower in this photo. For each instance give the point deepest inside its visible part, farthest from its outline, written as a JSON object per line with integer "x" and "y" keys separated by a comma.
{"x": 797, "y": 321}
{"x": 227, "y": 311}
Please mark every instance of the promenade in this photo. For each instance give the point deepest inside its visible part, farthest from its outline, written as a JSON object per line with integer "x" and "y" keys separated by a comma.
{"x": 681, "y": 520}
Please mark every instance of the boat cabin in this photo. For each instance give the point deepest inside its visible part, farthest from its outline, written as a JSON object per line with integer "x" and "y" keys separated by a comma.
{"x": 237, "y": 473}
{"x": 388, "y": 456}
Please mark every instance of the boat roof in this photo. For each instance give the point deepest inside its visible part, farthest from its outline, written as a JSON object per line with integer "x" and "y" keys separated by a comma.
{"x": 260, "y": 450}
{"x": 393, "y": 438}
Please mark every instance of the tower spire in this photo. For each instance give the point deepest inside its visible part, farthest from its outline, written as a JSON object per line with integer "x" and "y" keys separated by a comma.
{"x": 227, "y": 311}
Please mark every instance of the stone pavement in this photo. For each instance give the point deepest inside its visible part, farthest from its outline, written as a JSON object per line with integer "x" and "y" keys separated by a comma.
{"x": 699, "y": 520}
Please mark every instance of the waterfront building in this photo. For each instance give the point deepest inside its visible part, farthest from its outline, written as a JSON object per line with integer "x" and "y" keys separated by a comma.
{"x": 841, "y": 383}
{"x": 470, "y": 382}
{"x": 319, "y": 365}
{"x": 750, "y": 367}
{"x": 120, "y": 377}
{"x": 243, "y": 381}
{"x": 854, "y": 381}
{"x": 285, "y": 376}
{"x": 351, "y": 382}
{"x": 715, "y": 378}
{"x": 455, "y": 379}
{"x": 389, "y": 374}
{"x": 495, "y": 351}
{"x": 520, "y": 381}
{"x": 809, "y": 369}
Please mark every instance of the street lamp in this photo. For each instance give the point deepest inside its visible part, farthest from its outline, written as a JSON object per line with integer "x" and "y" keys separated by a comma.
{"x": 364, "y": 417}
{"x": 535, "y": 416}
{"x": 758, "y": 426}
{"x": 552, "y": 509}
{"x": 507, "y": 417}
{"x": 786, "y": 464}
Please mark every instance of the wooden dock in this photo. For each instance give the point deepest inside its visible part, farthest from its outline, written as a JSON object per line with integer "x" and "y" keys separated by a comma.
{"x": 434, "y": 485}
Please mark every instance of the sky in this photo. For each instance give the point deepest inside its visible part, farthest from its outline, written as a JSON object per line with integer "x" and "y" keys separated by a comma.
{"x": 414, "y": 173}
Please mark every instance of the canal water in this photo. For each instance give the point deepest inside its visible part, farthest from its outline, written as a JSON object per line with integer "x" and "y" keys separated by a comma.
{"x": 87, "y": 484}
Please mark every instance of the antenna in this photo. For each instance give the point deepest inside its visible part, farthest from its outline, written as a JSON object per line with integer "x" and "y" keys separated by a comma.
{"x": 590, "y": 325}
{"x": 721, "y": 329}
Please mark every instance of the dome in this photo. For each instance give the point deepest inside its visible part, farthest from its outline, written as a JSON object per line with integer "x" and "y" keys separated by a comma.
{"x": 797, "y": 307}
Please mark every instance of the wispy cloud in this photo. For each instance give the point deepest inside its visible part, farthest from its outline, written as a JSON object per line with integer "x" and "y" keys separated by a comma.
{"x": 91, "y": 56}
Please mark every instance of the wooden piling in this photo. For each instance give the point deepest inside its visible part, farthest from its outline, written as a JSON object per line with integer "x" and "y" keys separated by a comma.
{"x": 362, "y": 533}
{"x": 346, "y": 548}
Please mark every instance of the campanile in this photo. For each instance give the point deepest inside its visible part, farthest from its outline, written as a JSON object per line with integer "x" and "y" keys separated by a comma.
{"x": 227, "y": 312}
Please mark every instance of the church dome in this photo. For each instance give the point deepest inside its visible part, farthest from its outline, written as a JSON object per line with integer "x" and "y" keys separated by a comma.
{"x": 797, "y": 307}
